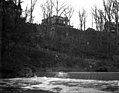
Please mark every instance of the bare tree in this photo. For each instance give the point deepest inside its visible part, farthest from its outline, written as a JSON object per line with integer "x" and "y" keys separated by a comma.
{"x": 111, "y": 9}
{"x": 50, "y": 8}
{"x": 82, "y": 18}
{"x": 44, "y": 11}
{"x": 59, "y": 8}
{"x": 68, "y": 12}
{"x": 47, "y": 8}
{"x": 116, "y": 18}
{"x": 26, "y": 12}
{"x": 84, "y": 22}
{"x": 108, "y": 13}
{"x": 116, "y": 14}
{"x": 31, "y": 10}
{"x": 109, "y": 17}
{"x": 98, "y": 17}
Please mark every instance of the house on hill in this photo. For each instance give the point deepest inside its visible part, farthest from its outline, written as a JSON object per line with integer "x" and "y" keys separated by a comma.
{"x": 52, "y": 24}
{"x": 56, "y": 20}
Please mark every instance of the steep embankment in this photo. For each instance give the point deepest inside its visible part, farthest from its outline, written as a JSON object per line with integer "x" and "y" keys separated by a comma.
{"x": 28, "y": 50}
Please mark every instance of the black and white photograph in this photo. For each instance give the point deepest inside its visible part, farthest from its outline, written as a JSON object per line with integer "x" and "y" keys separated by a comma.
{"x": 59, "y": 46}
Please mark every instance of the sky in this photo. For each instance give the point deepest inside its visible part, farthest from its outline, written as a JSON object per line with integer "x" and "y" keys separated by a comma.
{"x": 76, "y": 4}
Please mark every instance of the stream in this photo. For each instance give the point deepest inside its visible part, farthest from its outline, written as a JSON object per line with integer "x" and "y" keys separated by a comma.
{"x": 61, "y": 83}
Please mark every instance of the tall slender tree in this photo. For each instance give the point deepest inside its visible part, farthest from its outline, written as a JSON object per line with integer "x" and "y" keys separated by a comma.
{"x": 82, "y": 19}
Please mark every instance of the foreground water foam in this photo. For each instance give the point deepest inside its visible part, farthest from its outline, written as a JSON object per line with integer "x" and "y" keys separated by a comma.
{"x": 62, "y": 85}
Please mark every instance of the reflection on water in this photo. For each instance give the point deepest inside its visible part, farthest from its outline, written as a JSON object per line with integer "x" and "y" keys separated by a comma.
{"x": 57, "y": 85}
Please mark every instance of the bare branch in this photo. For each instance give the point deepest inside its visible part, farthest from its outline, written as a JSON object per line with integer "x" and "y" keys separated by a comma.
{"x": 31, "y": 10}
{"x": 99, "y": 18}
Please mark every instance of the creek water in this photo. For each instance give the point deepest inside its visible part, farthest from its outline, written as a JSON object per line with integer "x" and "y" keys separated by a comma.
{"x": 60, "y": 83}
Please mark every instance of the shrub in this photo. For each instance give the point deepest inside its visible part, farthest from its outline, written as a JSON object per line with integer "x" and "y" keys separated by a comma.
{"x": 25, "y": 72}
